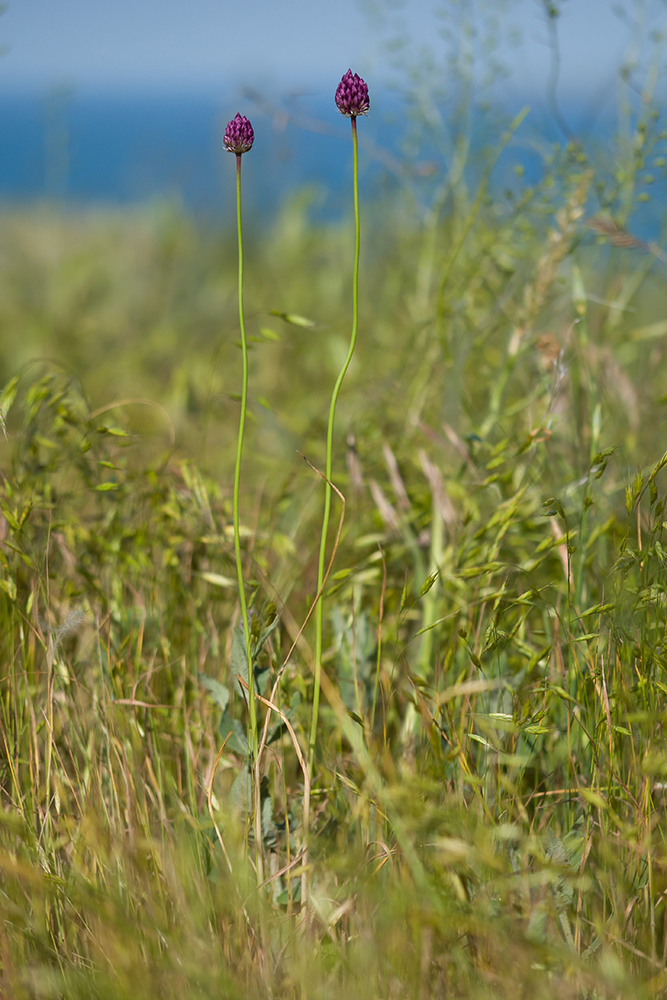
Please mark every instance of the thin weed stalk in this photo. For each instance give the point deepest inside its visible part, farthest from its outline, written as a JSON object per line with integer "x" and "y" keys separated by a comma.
{"x": 252, "y": 708}
{"x": 319, "y": 611}
{"x": 238, "y": 139}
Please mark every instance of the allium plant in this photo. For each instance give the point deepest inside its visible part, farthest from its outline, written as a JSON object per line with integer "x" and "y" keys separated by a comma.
{"x": 351, "y": 100}
{"x": 238, "y": 138}
{"x": 352, "y": 96}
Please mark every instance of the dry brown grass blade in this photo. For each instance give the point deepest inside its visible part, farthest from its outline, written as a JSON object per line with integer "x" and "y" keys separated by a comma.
{"x": 209, "y": 796}
{"x": 605, "y": 226}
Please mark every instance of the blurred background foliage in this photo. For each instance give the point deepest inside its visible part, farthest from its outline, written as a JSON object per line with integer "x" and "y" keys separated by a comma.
{"x": 489, "y": 789}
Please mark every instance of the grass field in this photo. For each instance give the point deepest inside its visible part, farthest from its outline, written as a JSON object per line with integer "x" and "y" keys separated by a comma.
{"x": 487, "y": 810}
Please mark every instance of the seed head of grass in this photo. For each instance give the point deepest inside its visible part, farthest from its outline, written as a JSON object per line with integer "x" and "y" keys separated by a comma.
{"x": 352, "y": 95}
{"x": 239, "y": 135}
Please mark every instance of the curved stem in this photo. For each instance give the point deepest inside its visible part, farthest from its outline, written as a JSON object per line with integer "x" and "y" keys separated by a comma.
{"x": 553, "y": 12}
{"x": 252, "y": 709}
{"x": 319, "y": 611}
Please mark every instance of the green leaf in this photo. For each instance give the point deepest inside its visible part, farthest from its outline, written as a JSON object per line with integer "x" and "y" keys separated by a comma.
{"x": 275, "y": 732}
{"x": 480, "y": 739}
{"x": 593, "y": 797}
{"x": 562, "y": 693}
{"x": 294, "y": 319}
{"x": 232, "y": 728}
{"x": 114, "y": 431}
{"x": 283, "y": 898}
{"x": 273, "y": 623}
{"x": 106, "y": 487}
{"x": 218, "y": 691}
{"x": 239, "y": 659}
{"x": 44, "y": 441}
{"x": 269, "y": 831}
{"x": 217, "y": 579}
{"x": 241, "y": 791}
{"x": 593, "y": 947}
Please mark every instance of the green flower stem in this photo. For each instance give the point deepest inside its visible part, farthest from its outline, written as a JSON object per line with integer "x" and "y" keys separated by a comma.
{"x": 252, "y": 708}
{"x": 330, "y": 430}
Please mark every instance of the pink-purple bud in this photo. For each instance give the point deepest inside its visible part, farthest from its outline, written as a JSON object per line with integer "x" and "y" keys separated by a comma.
{"x": 352, "y": 95}
{"x": 239, "y": 135}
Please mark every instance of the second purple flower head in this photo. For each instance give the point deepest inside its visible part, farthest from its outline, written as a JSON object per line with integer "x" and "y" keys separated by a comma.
{"x": 239, "y": 136}
{"x": 352, "y": 95}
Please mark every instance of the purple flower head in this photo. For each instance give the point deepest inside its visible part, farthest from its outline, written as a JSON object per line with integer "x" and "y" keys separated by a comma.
{"x": 352, "y": 95}
{"x": 239, "y": 135}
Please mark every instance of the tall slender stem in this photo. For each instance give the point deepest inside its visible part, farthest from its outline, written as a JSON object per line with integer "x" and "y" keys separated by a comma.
{"x": 252, "y": 708}
{"x": 319, "y": 611}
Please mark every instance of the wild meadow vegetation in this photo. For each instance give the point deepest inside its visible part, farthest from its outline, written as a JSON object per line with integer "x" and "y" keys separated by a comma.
{"x": 488, "y": 783}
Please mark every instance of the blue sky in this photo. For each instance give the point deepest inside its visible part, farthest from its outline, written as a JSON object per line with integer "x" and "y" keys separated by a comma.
{"x": 177, "y": 45}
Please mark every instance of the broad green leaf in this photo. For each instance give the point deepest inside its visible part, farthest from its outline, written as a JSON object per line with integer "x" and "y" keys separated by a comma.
{"x": 218, "y": 691}
{"x": 241, "y": 791}
{"x": 283, "y": 898}
{"x": 269, "y": 831}
{"x": 237, "y": 741}
{"x": 268, "y": 630}
{"x": 239, "y": 659}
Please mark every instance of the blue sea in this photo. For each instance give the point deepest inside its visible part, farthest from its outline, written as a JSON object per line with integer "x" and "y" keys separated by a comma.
{"x": 123, "y": 149}
{"x": 87, "y": 150}
{"x": 119, "y": 150}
